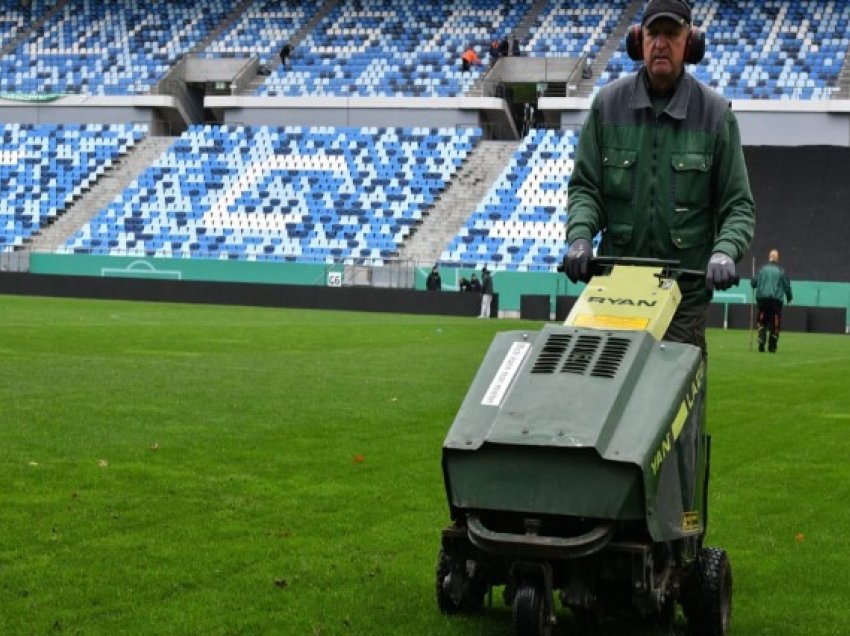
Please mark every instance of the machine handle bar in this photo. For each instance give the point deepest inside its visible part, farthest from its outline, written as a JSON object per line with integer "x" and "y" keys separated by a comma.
{"x": 671, "y": 267}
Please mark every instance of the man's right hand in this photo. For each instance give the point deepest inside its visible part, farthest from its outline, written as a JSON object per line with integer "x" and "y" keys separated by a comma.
{"x": 577, "y": 261}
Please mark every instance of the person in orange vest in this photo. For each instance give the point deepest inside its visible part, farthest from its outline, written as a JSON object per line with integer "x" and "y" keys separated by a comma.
{"x": 469, "y": 58}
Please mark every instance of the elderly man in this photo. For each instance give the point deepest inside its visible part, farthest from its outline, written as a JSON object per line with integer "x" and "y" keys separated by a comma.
{"x": 660, "y": 170}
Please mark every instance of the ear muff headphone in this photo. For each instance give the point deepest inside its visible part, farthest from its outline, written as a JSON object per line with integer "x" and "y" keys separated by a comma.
{"x": 694, "y": 47}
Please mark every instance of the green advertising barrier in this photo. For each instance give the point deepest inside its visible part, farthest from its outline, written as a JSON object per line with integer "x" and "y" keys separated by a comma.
{"x": 510, "y": 286}
{"x": 187, "y": 269}
{"x": 31, "y": 97}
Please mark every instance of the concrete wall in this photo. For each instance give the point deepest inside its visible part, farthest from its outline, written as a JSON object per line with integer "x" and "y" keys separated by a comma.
{"x": 356, "y": 111}
{"x": 762, "y": 122}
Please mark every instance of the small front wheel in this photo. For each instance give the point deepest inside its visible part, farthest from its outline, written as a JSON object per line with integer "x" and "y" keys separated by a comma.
{"x": 708, "y": 595}
{"x": 459, "y": 590}
{"x": 530, "y": 614}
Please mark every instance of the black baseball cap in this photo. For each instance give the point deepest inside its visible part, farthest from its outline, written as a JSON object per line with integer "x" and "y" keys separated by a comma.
{"x": 677, "y": 10}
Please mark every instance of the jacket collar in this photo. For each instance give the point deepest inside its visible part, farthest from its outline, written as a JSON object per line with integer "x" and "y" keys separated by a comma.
{"x": 678, "y": 106}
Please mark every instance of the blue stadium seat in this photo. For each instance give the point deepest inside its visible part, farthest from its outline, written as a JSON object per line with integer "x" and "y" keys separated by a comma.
{"x": 319, "y": 194}
{"x": 519, "y": 224}
{"x": 44, "y": 167}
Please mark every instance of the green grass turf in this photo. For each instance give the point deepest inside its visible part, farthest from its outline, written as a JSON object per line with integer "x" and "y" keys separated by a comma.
{"x": 186, "y": 469}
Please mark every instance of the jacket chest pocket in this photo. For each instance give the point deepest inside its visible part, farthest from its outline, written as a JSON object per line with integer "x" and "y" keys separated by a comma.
{"x": 691, "y": 179}
{"x": 618, "y": 172}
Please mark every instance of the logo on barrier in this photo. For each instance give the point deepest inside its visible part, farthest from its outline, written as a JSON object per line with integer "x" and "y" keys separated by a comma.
{"x": 334, "y": 279}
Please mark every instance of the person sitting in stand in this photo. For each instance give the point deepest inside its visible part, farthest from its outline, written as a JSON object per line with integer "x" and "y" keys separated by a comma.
{"x": 469, "y": 58}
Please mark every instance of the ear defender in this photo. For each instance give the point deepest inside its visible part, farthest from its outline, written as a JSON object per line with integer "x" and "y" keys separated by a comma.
{"x": 694, "y": 47}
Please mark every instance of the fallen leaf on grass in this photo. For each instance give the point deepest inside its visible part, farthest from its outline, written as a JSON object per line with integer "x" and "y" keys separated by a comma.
{"x": 281, "y": 583}
{"x": 103, "y": 463}
{"x": 799, "y": 537}
{"x": 359, "y": 459}
{"x": 33, "y": 463}
{"x": 154, "y": 446}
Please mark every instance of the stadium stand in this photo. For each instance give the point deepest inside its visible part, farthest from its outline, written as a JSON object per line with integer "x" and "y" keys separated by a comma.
{"x": 119, "y": 47}
{"x": 262, "y": 29}
{"x": 213, "y": 195}
{"x": 519, "y": 225}
{"x": 44, "y": 167}
{"x": 778, "y": 49}
{"x": 574, "y": 29}
{"x": 395, "y": 48}
{"x": 282, "y": 194}
{"x": 16, "y": 17}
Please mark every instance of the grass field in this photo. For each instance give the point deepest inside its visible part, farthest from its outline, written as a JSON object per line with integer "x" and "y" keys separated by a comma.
{"x": 184, "y": 469}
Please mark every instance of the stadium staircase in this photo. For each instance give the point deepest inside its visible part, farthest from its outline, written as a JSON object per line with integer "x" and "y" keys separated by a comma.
{"x": 223, "y": 26}
{"x": 449, "y": 213}
{"x": 843, "y": 81}
{"x": 303, "y": 32}
{"x": 614, "y": 42}
{"x": 33, "y": 28}
{"x": 107, "y": 188}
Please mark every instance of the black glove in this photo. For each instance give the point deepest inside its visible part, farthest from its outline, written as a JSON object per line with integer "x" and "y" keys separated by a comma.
{"x": 577, "y": 260}
{"x": 720, "y": 272}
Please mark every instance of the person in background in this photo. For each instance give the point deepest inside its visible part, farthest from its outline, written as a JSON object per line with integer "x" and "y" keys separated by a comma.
{"x": 469, "y": 59}
{"x": 474, "y": 284}
{"x": 286, "y": 55}
{"x": 486, "y": 292}
{"x": 434, "y": 282}
{"x": 504, "y": 47}
{"x": 495, "y": 52}
{"x": 515, "y": 50}
{"x": 660, "y": 170}
{"x": 772, "y": 287}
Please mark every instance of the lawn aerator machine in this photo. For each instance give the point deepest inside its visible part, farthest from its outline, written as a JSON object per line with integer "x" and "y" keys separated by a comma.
{"x": 578, "y": 465}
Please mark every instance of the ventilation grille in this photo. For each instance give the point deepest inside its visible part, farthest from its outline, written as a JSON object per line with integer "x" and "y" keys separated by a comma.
{"x": 611, "y": 358}
{"x": 553, "y": 351}
{"x": 594, "y": 355}
{"x": 579, "y": 359}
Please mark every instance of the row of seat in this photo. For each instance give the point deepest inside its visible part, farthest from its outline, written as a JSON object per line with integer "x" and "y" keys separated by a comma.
{"x": 519, "y": 224}
{"x": 778, "y": 49}
{"x": 394, "y": 47}
{"x": 339, "y": 205}
{"x": 119, "y": 47}
{"x": 44, "y": 167}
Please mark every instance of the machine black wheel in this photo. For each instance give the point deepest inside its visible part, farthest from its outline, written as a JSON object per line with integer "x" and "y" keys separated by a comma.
{"x": 456, "y": 591}
{"x": 708, "y": 594}
{"x": 530, "y": 617}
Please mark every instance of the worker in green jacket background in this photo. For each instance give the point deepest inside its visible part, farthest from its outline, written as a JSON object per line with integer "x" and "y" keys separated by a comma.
{"x": 772, "y": 288}
{"x": 660, "y": 171}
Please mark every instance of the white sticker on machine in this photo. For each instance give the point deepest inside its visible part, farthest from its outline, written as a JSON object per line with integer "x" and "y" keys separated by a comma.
{"x": 506, "y": 374}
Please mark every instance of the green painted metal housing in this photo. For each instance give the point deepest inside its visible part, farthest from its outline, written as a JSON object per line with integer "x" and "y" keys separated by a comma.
{"x": 580, "y": 422}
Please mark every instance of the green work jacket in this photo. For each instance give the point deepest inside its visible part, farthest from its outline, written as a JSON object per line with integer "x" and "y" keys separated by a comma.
{"x": 671, "y": 185}
{"x": 772, "y": 283}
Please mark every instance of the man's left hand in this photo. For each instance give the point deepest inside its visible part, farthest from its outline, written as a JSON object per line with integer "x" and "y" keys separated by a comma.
{"x": 720, "y": 272}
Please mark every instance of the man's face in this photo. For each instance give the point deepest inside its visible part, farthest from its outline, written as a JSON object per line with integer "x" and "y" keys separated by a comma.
{"x": 664, "y": 51}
